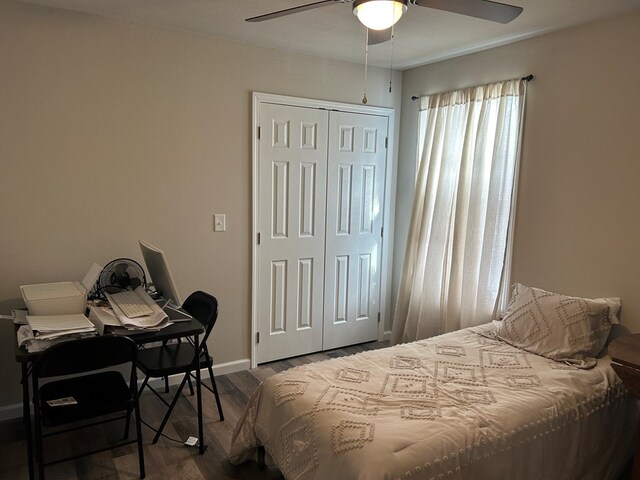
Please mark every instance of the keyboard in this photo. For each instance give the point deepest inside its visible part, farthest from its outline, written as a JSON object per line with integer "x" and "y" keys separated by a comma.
{"x": 130, "y": 303}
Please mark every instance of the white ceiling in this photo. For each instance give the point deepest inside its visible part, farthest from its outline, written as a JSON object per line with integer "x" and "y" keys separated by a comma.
{"x": 422, "y": 35}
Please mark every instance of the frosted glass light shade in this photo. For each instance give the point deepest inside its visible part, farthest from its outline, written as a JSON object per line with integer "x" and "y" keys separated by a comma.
{"x": 379, "y": 14}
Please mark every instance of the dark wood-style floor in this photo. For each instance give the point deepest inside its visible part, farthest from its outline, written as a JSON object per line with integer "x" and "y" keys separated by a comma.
{"x": 167, "y": 459}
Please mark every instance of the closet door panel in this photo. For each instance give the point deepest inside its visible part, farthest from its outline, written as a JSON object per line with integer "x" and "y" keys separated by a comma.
{"x": 355, "y": 198}
{"x": 292, "y": 199}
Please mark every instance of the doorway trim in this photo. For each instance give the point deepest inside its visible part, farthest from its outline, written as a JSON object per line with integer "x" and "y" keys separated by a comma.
{"x": 388, "y": 209}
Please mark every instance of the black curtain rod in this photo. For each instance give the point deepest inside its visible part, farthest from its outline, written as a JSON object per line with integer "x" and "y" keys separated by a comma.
{"x": 527, "y": 78}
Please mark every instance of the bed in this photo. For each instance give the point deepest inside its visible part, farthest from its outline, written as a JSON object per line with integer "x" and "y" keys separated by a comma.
{"x": 464, "y": 405}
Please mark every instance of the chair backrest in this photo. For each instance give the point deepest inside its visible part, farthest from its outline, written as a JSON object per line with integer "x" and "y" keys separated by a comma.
{"x": 204, "y": 308}
{"x": 84, "y": 355}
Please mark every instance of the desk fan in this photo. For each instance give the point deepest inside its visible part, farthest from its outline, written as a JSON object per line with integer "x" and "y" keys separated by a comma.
{"x": 118, "y": 275}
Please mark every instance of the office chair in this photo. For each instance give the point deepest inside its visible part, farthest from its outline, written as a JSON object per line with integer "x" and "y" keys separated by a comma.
{"x": 99, "y": 392}
{"x": 175, "y": 358}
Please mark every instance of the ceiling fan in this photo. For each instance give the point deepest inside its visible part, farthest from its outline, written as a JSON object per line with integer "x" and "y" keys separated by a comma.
{"x": 380, "y": 15}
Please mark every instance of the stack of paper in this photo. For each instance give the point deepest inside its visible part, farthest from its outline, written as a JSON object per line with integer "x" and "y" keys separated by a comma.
{"x": 42, "y": 331}
{"x": 52, "y": 326}
{"x": 156, "y": 321}
{"x": 105, "y": 321}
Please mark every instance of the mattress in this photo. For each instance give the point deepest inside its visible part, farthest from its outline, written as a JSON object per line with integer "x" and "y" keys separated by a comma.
{"x": 463, "y": 405}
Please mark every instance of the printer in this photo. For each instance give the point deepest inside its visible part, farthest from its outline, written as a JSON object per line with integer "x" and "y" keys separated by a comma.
{"x": 59, "y": 298}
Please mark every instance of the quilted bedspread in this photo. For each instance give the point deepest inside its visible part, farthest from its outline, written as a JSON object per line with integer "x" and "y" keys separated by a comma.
{"x": 463, "y": 405}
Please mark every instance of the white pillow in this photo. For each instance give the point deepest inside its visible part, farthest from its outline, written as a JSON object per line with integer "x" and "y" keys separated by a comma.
{"x": 563, "y": 328}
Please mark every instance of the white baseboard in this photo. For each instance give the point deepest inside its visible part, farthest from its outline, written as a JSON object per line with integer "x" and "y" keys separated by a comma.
{"x": 220, "y": 369}
{"x": 10, "y": 412}
{"x": 231, "y": 367}
{"x": 386, "y": 335}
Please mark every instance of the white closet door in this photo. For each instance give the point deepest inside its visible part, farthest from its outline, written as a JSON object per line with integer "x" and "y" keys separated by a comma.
{"x": 292, "y": 193}
{"x": 355, "y": 197}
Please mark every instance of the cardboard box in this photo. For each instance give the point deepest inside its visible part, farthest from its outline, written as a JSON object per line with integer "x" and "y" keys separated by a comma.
{"x": 60, "y": 298}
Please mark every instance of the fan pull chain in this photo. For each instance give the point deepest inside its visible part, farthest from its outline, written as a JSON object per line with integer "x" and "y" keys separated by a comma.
{"x": 393, "y": 36}
{"x": 366, "y": 63}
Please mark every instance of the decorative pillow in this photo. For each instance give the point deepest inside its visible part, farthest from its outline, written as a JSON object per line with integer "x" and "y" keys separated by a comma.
{"x": 565, "y": 329}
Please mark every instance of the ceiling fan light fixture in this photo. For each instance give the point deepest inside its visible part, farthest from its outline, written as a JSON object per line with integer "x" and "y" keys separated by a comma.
{"x": 379, "y": 14}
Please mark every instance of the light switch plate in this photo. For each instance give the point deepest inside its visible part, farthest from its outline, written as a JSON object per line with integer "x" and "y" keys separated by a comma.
{"x": 219, "y": 222}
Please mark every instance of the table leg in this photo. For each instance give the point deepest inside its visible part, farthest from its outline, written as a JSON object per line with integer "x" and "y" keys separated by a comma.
{"x": 26, "y": 416}
{"x": 199, "y": 397}
{"x": 636, "y": 458}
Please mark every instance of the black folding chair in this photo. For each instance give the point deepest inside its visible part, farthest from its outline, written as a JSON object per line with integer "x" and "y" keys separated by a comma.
{"x": 183, "y": 357}
{"x": 85, "y": 399}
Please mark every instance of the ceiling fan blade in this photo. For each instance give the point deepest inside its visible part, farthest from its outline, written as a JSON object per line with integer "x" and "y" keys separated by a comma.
{"x": 485, "y": 9}
{"x": 379, "y": 36}
{"x": 289, "y": 11}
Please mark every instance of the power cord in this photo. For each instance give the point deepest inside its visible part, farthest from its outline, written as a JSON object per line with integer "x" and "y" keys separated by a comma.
{"x": 97, "y": 292}
{"x": 187, "y": 443}
{"x": 162, "y": 434}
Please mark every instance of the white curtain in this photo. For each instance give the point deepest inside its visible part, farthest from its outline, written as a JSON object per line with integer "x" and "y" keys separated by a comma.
{"x": 456, "y": 267}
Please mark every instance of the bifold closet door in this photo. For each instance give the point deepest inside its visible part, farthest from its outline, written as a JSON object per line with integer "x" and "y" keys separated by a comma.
{"x": 292, "y": 198}
{"x": 355, "y": 201}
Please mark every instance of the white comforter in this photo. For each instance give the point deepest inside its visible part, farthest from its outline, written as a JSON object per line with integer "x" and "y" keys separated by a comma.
{"x": 459, "y": 406}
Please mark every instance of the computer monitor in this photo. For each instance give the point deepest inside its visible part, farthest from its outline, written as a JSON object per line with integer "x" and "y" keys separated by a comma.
{"x": 159, "y": 272}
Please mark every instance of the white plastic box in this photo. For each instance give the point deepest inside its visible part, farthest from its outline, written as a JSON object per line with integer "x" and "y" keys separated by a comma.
{"x": 60, "y": 298}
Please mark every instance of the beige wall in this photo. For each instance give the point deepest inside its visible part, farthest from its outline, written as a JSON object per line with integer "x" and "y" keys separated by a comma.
{"x": 111, "y": 132}
{"x": 578, "y": 225}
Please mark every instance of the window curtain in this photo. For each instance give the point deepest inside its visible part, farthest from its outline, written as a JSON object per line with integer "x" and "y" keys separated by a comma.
{"x": 457, "y": 260}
